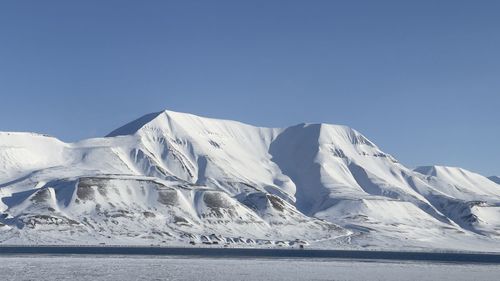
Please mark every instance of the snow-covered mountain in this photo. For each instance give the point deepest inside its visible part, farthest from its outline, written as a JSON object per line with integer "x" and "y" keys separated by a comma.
{"x": 172, "y": 178}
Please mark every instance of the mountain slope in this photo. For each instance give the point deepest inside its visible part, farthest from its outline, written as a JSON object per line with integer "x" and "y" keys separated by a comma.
{"x": 173, "y": 177}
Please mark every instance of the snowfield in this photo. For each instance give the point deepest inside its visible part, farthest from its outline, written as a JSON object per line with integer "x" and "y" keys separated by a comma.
{"x": 125, "y": 268}
{"x": 172, "y": 178}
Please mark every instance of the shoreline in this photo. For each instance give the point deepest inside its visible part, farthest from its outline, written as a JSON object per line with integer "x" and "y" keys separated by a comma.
{"x": 450, "y": 257}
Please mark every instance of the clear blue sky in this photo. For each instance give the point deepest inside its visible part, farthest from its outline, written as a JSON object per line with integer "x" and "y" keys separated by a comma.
{"x": 419, "y": 78}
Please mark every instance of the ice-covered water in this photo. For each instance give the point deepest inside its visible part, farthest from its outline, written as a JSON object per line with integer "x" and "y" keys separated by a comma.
{"x": 180, "y": 268}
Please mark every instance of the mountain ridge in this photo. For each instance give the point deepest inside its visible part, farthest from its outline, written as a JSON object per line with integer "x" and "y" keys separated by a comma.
{"x": 173, "y": 177}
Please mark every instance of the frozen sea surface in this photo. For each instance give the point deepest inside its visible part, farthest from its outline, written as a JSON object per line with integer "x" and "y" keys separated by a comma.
{"x": 123, "y": 268}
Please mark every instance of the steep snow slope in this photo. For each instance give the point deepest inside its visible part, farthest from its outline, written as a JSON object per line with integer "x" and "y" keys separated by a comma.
{"x": 230, "y": 155}
{"x": 173, "y": 177}
{"x": 470, "y": 199}
{"x": 460, "y": 183}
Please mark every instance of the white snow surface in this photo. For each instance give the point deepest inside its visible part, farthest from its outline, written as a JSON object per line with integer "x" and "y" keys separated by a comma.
{"x": 170, "y": 178}
{"x": 124, "y": 268}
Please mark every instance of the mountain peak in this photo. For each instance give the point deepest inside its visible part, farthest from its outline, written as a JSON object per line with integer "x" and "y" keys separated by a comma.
{"x": 165, "y": 118}
{"x": 132, "y": 127}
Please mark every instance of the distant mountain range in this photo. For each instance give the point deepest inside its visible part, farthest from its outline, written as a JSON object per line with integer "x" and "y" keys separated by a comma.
{"x": 172, "y": 178}
{"x": 495, "y": 179}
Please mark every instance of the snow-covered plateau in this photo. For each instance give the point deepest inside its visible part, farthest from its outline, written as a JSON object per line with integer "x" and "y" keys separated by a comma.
{"x": 172, "y": 178}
